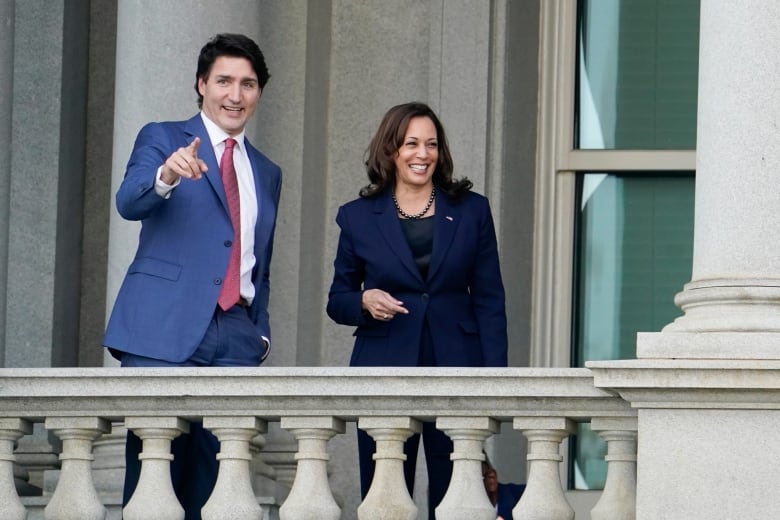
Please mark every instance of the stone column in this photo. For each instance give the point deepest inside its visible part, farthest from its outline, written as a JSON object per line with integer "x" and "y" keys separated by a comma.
{"x": 735, "y": 286}
{"x": 6, "y": 93}
{"x": 706, "y": 386}
{"x": 46, "y": 181}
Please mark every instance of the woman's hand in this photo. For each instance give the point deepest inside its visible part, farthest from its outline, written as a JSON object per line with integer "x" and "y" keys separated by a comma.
{"x": 381, "y": 305}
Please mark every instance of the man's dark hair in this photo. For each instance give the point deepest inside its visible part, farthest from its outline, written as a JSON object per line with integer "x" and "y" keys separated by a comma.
{"x": 236, "y": 45}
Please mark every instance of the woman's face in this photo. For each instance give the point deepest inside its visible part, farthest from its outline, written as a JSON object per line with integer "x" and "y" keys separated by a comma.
{"x": 415, "y": 160}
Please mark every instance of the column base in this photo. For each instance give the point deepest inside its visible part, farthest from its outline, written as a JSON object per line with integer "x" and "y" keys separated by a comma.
{"x": 708, "y": 345}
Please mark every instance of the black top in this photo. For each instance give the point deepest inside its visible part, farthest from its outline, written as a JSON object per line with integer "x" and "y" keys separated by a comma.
{"x": 419, "y": 234}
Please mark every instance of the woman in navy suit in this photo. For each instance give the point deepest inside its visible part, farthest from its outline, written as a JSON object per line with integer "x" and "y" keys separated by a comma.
{"x": 417, "y": 272}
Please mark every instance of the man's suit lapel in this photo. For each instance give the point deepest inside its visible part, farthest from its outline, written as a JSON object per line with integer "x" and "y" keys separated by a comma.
{"x": 264, "y": 196}
{"x": 390, "y": 228}
{"x": 447, "y": 220}
{"x": 195, "y": 128}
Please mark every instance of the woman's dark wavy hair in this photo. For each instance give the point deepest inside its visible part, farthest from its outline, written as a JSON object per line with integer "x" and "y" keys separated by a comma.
{"x": 388, "y": 139}
{"x": 234, "y": 45}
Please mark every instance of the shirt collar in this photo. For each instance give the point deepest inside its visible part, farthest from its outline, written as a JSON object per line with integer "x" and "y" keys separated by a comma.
{"x": 217, "y": 135}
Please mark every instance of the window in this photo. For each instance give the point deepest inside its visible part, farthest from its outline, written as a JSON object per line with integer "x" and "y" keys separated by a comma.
{"x": 616, "y": 179}
{"x": 637, "y": 64}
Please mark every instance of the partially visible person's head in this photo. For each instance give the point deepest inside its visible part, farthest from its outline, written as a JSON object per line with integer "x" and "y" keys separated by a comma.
{"x": 490, "y": 477}
{"x": 388, "y": 140}
{"x": 229, "y": 81}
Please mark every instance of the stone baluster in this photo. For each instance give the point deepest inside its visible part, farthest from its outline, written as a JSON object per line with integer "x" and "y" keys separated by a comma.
{"x": 543, "y": 498}
{"x": 310, "y": 497}
{"x": 75, "y": 497}
{"x": 233, "y": 496}
{"x": 388, "y": 498}
{"x": 618, "y": 500}
{"x": 10, "y": 431}
{"x": 466, "y": 498}
{"x": 154, "y": 498}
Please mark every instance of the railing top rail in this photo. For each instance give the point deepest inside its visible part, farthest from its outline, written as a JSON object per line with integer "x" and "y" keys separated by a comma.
{"x": 274, "y": 392}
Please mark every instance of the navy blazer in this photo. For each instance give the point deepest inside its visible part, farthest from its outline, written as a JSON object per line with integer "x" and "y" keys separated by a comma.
{"x": 462, "y": 297}
{"x": 169, "y": 294}
{"x": 508, "y": 496}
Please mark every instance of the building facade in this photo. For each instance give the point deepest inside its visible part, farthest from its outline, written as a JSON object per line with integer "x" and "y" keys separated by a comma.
{"x": 579, "y": 120}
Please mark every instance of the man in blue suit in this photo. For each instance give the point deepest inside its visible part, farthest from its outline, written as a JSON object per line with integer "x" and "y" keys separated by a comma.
{"x": 196, "y": 293}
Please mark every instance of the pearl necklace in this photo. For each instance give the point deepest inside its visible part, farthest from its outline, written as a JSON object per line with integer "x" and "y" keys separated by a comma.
{"x": 417, "y": 215}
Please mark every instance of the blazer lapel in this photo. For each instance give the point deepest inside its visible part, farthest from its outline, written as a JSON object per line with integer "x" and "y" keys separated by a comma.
{"x": 447, "y": 220}
{"x": 195, "y": 128}
{"x": 390, "y": 228}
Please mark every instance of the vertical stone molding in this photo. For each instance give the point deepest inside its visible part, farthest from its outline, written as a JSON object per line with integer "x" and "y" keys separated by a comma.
{"x": 75, "y": 497}
{"x": 310, "y": 497}
{"x": 388, "y": 498}
{"x": 466, "y": 498}
{"x": 543, "y": 498}
{"x": 6, "y": 135}
{"x": 10, "y": 431}
{"x": 618, "y": 500}
{"x": 735, "y": 284}
{"x": 154, "y": 498}
{"x": 233, "y": 496}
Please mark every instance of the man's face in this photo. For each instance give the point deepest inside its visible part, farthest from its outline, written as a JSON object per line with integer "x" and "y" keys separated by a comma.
{"x": 230, "y": 93}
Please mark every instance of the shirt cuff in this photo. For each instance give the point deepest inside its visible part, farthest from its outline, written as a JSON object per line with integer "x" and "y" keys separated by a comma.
{"x": 161, "y": 188}
{"x": 267, "y": 343}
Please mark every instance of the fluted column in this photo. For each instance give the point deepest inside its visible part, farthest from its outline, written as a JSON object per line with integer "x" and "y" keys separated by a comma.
{"x": 75, "y": 497}
{"x": 388, "y": 498}
{"x": 10, "y": 431}
{"x": 735, "y": 285}
{"x": 154, "y": 498}
{"x": 466, "y": 498}
{"x": 310, "y": 497}
{"x": 618, "y": 500}
{"x": 233, "y": 496}
{"x": 543, "y": 498}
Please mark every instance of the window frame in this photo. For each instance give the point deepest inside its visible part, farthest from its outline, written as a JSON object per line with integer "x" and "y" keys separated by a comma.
{"x": 557, "y": 163}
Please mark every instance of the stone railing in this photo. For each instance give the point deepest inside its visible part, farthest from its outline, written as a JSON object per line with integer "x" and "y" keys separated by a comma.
{"x": 80, "y": 406}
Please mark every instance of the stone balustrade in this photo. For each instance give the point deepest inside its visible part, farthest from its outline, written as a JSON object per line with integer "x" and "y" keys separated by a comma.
{"x": 80, "y": 405}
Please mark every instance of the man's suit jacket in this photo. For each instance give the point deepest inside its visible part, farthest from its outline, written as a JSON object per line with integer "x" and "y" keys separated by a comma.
{"x": 462, "y": 297}
{"x": 170, "y": 292}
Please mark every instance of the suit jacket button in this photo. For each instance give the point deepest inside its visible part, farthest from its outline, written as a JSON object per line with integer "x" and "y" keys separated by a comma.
{"x": 425, "y": 296}
{"x": 228, "y": 243}
{"x": 217, "y": 281}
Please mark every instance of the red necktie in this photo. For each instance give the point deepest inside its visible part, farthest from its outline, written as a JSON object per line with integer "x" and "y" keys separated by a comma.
{"x": 230, "y": 294}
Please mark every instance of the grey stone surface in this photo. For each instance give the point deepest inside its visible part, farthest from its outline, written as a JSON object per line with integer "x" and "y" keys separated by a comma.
{"x": 34, "y": 186}
{"x": 97, "y": 180}
{"x": 6, "y": 98}
{"x": 715, "y": 464}
{"x": 735, "y": 275}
